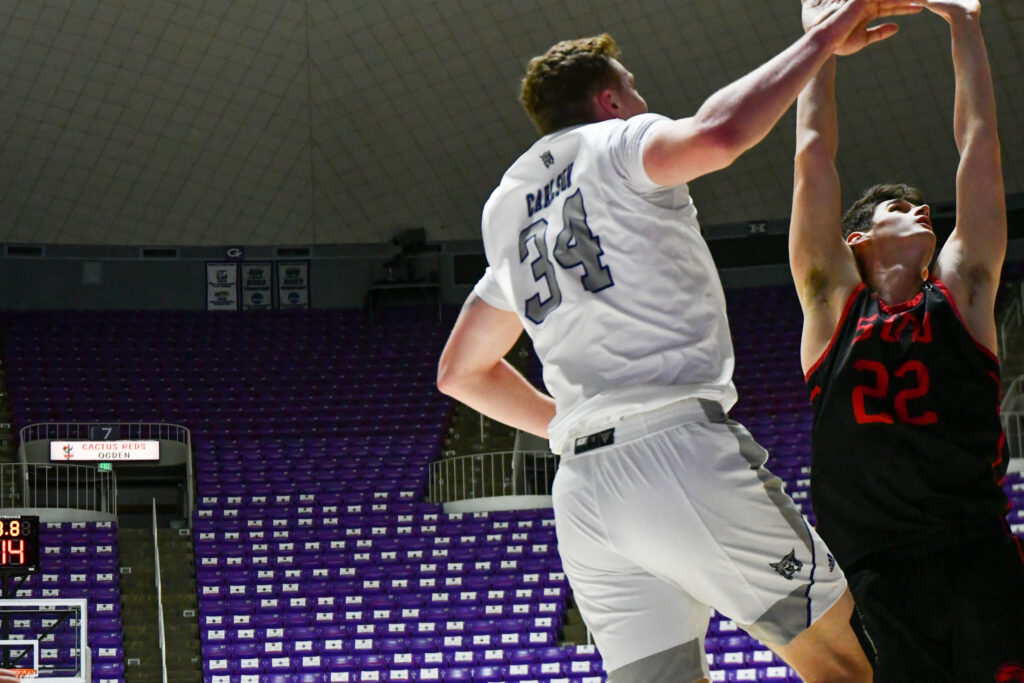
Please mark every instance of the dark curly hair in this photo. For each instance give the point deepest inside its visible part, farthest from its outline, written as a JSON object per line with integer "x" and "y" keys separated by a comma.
{"x": 558, "y": 84}
{"x": 858, "y": 218}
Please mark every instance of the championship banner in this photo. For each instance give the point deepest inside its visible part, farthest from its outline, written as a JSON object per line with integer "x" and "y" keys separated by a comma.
{"x": 292, "y": 284}
{"x": 257, "y": 293}
{"x": 222, "y": 286}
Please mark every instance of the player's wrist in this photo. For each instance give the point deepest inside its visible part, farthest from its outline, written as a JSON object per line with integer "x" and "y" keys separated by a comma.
{"x": 961, "y": 13}
{"x": 968, "y": 17}
{"x": 825, "y": 38}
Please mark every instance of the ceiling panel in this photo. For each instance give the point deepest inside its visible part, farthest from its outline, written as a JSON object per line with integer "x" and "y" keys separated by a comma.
{"x": 309, "y": 121}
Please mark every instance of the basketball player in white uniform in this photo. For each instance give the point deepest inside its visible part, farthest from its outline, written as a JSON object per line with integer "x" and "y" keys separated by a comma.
{"x": 662, "y": 506}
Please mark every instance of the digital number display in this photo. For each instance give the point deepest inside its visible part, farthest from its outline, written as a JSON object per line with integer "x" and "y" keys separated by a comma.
{"x": 19, "y": 544}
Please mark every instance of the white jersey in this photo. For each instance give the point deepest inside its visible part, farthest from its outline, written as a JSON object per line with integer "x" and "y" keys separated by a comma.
{"x": 610, "y": 276}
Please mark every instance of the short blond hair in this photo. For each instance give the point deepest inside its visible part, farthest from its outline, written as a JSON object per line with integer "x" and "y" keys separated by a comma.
{"x": 558, "y": 84}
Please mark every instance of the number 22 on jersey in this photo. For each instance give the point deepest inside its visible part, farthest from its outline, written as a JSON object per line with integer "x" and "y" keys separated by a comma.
{"x": 878, "y": 388}
{"x": 575, "y": 245}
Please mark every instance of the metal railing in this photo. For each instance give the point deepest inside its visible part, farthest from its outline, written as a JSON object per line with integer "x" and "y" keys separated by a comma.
{"x": 1011, "y": 332}
{"x": 1011, "y": 354}
{"x": 103, "y": 431}
{"x": 1012, "y": 412}
{"x": 162, "y": 636}
{"x": 486, "y": 475}
{"x": 57, "y": 486}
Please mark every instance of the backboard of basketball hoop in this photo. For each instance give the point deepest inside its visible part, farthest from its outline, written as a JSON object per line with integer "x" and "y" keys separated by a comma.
{"x": 46, "y": 639}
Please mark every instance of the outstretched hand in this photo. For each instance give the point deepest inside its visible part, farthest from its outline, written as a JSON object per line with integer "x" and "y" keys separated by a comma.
{"x": 847, "y": 21}
{"x": 952, "y": 10}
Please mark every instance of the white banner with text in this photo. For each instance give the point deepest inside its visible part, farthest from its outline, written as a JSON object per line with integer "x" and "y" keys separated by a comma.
{"x": 104, "y": 451}
{"x": 222, "y": 286}
{"x": 292, "y": 284}
{"x": 257, "y": 291}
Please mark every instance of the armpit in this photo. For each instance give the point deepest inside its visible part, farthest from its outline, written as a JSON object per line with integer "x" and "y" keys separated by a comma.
{"x": 978, "y": 281}
{"x": 815, "y": 286}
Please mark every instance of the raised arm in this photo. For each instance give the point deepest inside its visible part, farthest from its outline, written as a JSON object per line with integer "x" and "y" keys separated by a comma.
{"x": 741, "y": 114}
{"x": 823, "y": 267}
{"x": 474, "y": 371}
{"x": 972, "y": 257}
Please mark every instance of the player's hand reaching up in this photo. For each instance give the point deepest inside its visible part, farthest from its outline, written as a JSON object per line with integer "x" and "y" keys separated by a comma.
{"x": 9, "y": 677}
{"x": 847, "y": 22}
{"x": 953, "y": 10}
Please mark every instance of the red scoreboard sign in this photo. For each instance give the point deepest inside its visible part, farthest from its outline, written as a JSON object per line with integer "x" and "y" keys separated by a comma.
{"x": 19, "y": 544}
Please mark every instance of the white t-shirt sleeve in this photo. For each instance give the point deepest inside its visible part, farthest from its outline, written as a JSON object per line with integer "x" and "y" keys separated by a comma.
{"x": 626, "y": 150}
{"x": 491, "y": 292}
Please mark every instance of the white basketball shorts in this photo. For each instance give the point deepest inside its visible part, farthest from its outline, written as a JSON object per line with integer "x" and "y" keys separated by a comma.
{"x": 665, "y": 514}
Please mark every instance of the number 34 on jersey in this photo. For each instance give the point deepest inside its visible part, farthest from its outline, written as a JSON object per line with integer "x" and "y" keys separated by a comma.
{"x": 575, "y": 245}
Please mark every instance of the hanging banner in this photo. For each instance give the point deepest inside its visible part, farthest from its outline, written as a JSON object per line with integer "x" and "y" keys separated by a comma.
{"x": 293, "y": 284}
{"x": 222, "y": 286}
{"x": 257, "y": 287}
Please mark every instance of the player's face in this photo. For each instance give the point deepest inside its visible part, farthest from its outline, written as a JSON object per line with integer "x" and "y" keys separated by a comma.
{"x": 630, "y": 101}
{"x": 900, "y": 218}
{"x": 903, "y": 230}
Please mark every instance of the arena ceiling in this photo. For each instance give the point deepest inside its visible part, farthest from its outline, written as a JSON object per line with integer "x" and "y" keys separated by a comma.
{"x": 218, "y": 122}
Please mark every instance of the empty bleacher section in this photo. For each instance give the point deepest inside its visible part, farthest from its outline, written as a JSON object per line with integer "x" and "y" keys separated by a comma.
{"x": 318, "y": 556}
{"x": 79, "y": 560}
{"x": 773, "y": 402}
{"x": 312, "y": 436}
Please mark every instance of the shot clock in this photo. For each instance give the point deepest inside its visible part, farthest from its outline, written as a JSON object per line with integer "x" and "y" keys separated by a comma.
{"x": 19, "y": 544}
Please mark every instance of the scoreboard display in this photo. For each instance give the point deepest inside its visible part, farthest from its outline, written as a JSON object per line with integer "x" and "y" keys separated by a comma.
{"x": 19, "y": 544}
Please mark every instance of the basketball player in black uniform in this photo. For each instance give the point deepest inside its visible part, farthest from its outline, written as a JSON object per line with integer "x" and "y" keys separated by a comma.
{"x": 899, "y": 355}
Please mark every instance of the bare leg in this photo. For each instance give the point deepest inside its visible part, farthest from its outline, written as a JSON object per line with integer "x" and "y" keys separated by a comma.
{"x": 829, "y": 650}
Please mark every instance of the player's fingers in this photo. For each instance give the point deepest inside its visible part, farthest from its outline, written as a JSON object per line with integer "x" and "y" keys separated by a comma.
{"x": 898, "y": 8}
{"x": 880, "y": 32}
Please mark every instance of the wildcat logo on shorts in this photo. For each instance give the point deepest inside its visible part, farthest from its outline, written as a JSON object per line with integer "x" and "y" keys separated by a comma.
{"x": 1010, "y": 673}
{"x": 788, "y": 565}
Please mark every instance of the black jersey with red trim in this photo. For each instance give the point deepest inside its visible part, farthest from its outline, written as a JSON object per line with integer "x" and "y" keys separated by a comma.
{"x": 907, "y": 444}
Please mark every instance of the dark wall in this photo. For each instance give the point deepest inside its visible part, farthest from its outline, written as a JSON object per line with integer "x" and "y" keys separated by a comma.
{"x": 98, "y": 278}
{"x": 89, "y": 277}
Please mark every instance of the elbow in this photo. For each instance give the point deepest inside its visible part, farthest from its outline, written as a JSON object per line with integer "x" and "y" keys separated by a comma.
{"x": 979, "y": 140}
{"x": 451, "y": 377}
{"x": 811, "y": 145}
{"x": 724, "y": 142}
{"x": 805, "y": 152}
{"x": 447, "y": 386}
{"x": 814, "y": 161}
{"x": 693, "y": 147}
{"x": 447, "y": 378}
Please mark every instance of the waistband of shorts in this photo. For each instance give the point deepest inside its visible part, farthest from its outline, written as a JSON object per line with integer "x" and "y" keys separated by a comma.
{"x": 638, "y": 425}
